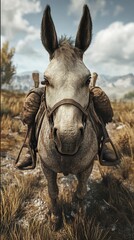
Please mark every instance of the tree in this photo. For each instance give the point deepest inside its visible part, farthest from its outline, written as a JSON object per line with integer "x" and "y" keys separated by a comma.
{"x": 7, "y": 68}
{"x": 129, "y": 95}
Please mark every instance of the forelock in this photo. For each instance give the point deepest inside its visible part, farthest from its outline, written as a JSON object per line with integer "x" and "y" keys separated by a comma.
{"x": 67, "y": 51}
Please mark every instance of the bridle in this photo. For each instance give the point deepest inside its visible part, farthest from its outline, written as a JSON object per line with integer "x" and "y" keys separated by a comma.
{"x": 68, "y": 101}
{"x": 88, "y": 112}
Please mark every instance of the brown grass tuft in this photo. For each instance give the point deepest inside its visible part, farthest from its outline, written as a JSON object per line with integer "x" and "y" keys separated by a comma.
{"x": 108, "y": 209}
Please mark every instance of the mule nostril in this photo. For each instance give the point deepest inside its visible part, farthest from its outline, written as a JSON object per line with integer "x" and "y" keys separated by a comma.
{"x": 84, "y": 122}
{"x": 82, "y": 130}
{"x": 51, "y": 121}
{"x": 55, "y": 132}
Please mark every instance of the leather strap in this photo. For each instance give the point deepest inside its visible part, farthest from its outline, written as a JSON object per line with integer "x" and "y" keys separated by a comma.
{"x": 67, "y": 101}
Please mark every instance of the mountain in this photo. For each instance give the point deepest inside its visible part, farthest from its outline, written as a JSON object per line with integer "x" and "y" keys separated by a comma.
{"x": 22, "y": 82}
{"x": 115, "y": 87}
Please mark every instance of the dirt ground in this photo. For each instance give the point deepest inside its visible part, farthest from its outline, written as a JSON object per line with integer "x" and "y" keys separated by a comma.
{"x": 106, "y": 190}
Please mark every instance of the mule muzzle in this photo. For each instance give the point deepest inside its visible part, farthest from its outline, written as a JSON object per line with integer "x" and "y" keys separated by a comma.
{"x": 68, "y": 141}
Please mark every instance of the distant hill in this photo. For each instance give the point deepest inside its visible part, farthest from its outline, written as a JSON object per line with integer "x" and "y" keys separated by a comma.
{"x": 22, "y": 82}
{"x": 115, "y": 87}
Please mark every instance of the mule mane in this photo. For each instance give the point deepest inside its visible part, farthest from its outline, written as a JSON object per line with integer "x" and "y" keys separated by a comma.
{"x": 65, "y": 39}
{"x": 67, "y": 51}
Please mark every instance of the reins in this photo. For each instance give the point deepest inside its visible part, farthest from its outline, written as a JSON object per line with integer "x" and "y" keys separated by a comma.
{"x": 23, "y": 145}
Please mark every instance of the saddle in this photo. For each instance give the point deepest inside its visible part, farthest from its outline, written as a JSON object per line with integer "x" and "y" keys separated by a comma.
{"x": 100, "y": 114}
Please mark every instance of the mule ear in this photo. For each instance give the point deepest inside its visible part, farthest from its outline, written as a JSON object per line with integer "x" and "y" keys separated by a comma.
{"x": 84, "y": 34}
{"x": 48, "y": 32}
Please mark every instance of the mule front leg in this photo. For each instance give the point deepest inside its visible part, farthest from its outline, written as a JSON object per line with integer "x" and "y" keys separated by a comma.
{"x": 82, "y": 183}
{"x": 53, "y": 192}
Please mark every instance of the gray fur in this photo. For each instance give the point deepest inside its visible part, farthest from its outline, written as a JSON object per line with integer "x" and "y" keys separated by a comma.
{"x": 67, "y": 76}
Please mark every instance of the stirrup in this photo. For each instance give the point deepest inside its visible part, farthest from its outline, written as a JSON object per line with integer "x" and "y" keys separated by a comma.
{"x": 106, "y": 163}
{"x": 33, "y": 156}
{"x": 106, "y": 139}
{"x": 32, "y": 152}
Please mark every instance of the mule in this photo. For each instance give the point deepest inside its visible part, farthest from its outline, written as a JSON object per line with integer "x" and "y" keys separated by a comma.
{"x": 67, "y": 140}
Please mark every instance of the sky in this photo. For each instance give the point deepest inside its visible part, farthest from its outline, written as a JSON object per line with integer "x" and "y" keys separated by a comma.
{"x": 111, "y": 51}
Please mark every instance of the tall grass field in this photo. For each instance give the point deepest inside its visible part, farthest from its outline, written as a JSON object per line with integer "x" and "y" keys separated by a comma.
{"x": 106, "y": 213}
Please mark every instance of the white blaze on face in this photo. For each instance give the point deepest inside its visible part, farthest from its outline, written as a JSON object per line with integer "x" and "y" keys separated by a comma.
{"x": 67, "y": 82}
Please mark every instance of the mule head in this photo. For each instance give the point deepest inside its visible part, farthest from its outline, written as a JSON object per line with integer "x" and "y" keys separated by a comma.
{"x": 66, "y": 77}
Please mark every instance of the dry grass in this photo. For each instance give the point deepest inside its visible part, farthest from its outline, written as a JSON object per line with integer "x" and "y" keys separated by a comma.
{"x": 11, "y": 107}
{"x": 124, "y": 137}
{"x": 108, "y": 209}
{"x": 11, "y": 103}
{"x": 15, "y": 205}
{"x": 14, "y": 200}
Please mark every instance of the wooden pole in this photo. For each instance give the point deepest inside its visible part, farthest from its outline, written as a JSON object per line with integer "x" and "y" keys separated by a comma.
{"x": 35, "y": 76}
{"x": 93, "y": 79}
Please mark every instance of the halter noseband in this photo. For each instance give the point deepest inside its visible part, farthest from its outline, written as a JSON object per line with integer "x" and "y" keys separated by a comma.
{"x": 67, "y": 101}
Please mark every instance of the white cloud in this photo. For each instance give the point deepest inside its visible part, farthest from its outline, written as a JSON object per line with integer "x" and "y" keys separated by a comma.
{"x": 118, "y": 9}
{"x": 36, "y": 59}
{"x": 76, "y": 6}
{"x": 112, "y": 50}
{"x": 13, "y": 16}
{"x": 96, "y": 6}
{"x": 24, "y": 46}
{"x": 20, "y": 32}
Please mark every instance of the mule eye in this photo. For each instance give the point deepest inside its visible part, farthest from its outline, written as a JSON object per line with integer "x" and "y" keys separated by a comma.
{"x": 46, "y": 82}
{"x": 88, "y": 80}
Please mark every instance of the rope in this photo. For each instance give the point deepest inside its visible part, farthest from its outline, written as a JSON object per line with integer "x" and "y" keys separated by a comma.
{"x": 23, "y": 145}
